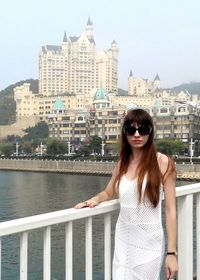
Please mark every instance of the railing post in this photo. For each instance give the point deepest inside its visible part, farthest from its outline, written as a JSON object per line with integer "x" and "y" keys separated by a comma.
{"x": 107, "y": 246}
{"x": 69, "y": 251}
{"x": 185, "y": 237}
{"x": 23, "y": 255}
{"x": 88, "y": 248}
{"x": 0, "y": 258}
{"x": 47, "y": 254}
{"x": 198, "y": 233}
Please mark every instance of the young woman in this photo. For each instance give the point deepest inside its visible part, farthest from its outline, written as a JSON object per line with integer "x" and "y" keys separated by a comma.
{"x": 140, "y": 179}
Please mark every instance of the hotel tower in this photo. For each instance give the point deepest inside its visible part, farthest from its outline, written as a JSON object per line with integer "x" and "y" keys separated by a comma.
{"x": 77, "y": 67}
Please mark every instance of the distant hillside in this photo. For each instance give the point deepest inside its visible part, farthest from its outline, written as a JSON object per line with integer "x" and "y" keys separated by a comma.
{"x": 7, "y": 103}
{"x": 192, "y": 88}
{"x": 122, "y": 91}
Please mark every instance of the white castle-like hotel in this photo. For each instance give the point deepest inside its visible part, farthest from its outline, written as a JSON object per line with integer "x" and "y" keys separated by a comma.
{"x": 76, "y": 66}
{"x": 78, "y": 95}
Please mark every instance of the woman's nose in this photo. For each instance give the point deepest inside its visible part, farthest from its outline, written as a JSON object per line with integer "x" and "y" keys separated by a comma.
{"x": 136, "y": 133}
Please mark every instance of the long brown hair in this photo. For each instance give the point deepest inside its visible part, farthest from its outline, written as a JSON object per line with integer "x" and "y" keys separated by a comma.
{"x": 148, "y": 164}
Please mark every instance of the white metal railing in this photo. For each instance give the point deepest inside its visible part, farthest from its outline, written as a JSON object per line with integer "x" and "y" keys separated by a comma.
{"x": 45, "y": 221}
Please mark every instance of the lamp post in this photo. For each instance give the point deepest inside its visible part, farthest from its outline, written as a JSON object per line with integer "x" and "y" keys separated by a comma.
{"x": 41, "y": 151}
{"x": 17, "y": 149}
{"x": 191, "y": 150}
{"x": 69, "y": 148}
{"x": 102, "y": 148}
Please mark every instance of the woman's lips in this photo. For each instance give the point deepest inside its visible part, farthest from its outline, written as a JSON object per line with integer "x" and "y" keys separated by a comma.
{"x": 137, "y": 142}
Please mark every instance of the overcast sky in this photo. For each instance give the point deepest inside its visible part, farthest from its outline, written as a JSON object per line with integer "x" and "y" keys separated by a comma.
{"x": 157, "y": 36}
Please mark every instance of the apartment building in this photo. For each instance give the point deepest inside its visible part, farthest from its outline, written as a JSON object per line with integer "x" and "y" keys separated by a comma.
{"x": 178, "y": 122}
{"x": 68, "y": 125}
{"x": 105, "y": 120}
{"x": 100, "y": 113}
{"x": 76, "y": 126}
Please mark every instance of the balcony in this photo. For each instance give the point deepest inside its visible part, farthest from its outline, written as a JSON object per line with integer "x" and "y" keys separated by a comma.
{"x": 186, "y": 211}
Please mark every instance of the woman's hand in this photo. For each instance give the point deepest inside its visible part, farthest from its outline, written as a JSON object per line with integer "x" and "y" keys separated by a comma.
{"x": 171, "y": 266}
{"x": 92, "y": 202}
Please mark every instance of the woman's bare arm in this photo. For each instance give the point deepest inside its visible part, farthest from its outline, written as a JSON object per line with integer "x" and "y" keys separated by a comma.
{"x": 169, "y": 185}
{"x": 106, "y": 194}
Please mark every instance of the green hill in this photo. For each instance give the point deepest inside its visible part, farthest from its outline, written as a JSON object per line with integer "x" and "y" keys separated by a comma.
{"x": 7, "y": 103}
{"x": 122, "y": 91}
{"x": 192, "y": 88}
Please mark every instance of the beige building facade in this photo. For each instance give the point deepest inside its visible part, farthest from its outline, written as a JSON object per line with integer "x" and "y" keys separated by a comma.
{"x": 142, "y": 87}
{"x": 130, "y": 100}
{"x": 107, "y": 69}
{"x": 27, "y": 103}
{"x": 171, "y": 98}
{"x": 76, "y": 66}
{"x": 30, "y": 104}
{"x": 33, "y": 104}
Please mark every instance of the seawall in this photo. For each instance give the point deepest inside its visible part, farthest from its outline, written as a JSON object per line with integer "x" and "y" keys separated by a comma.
{"x": 62, "y": 166}
{"x": 184, "y": 171}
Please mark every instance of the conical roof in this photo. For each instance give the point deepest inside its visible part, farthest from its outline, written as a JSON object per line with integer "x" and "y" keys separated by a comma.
{"x": 65, "y": 37}
{"x": 157, "y": 78}
{"x": 89, "y": 22}
{"x": 101, "y": 94}
{"x": 58, "y": 105}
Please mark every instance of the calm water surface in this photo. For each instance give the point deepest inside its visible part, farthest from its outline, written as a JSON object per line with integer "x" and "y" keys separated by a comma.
{"x": 24, "y": 194}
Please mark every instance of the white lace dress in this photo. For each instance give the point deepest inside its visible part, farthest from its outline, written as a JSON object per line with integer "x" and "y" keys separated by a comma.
{"x": 139, "y": 238}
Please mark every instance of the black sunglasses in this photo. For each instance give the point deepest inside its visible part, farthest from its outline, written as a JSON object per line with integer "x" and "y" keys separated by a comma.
{"x": 143, "y": 130}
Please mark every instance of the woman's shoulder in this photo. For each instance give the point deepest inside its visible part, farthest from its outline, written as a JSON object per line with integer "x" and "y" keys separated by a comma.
{"x": 167, "y": 167}
{"x": 117, "y": 167}
{"x": 163, "y": 162}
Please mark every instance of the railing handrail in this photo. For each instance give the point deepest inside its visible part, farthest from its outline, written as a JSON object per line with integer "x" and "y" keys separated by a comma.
{"x": 188, "y": 189}
{"x": 71, "y": 214}
{"x": 56, "y": 217}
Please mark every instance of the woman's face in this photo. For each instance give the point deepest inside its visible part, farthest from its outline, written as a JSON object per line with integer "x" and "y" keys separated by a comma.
{"x": 138, "y": 139}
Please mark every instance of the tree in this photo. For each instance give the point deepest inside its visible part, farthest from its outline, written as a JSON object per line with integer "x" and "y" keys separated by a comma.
{"x": 113, "y": 148}
{"x": 84, "y": 151}
{"x": 56, "y": 147}
{"x": 34, "y": 137}
{"x": 13, "y": 138}
{"x": 171, "y": 146}
{"x": 27, "y": 147}
{"x": 95, "y": 144}
{"x": 38, "y": 132}
{"x": 7, "y": 149}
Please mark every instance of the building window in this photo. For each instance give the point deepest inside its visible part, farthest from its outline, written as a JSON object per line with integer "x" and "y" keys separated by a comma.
{"x": 65, "y": 118}
{"x": 163, "y": 110}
